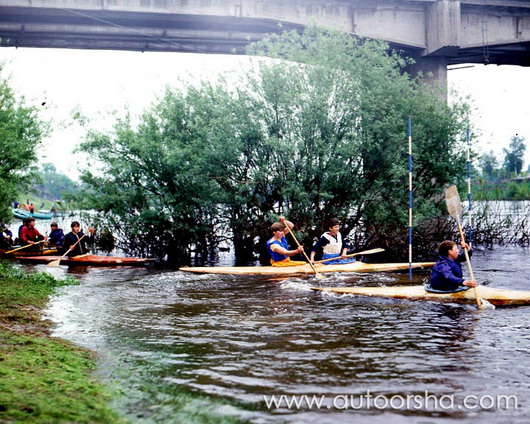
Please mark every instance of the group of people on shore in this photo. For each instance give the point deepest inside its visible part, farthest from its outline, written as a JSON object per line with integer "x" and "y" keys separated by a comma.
{"x": 446, "y": 274}
{"x": 75, "y": 242}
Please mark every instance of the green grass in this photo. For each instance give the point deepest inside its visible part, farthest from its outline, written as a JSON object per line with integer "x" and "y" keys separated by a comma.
{"x": 42, "y": 379}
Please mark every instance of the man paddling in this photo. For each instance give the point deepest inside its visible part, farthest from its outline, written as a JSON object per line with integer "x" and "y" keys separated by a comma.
{"x": 29, "y": 234}
{"x": 75, "y": 236}
{"x": 6, "y": 237}
{"x": 278, "y": 247}
{"x": 447, "y": 273}
{"x": 332, "y": 245}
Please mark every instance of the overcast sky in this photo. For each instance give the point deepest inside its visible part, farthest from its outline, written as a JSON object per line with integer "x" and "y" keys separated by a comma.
{"x": 98, "y": 82}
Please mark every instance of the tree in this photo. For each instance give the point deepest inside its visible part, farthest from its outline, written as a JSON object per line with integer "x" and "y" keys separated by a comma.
{"x": 514, "y": 155}
{"x": 489, "y": 165}
{"x": 318, "y": 130}
{"x": 53, "y": 185}
{"x": 21, "y": 131}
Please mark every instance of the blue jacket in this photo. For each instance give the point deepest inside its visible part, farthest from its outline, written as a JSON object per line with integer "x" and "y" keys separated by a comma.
{"x": 80, "y": 248}
{"x": 56, "y": 237}
{"x": 447, "y": 274}
{"x": 276, "y": 257}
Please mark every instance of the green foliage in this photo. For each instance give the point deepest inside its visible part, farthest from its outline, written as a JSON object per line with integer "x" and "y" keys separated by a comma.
{"x": 514, "y": 155}
{"x": 502, "y": 190}
{"x": 315, "y": 131}
{"x": 489, "y": 165}
{"x": 19, "y": 287}
{"x": 20, "y": 133}
{"x": 53, "y": 185}
{"x": 42, "y": 380}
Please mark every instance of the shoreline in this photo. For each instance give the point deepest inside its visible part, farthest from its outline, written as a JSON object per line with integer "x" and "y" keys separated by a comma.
{"x": 42, "y": 378}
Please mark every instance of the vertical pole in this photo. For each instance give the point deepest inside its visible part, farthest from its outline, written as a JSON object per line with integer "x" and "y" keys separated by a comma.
{"x": 410, "y": 197}
{"x": 469, "y": 208}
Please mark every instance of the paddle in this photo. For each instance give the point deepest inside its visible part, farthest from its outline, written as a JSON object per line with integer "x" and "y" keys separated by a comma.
{"x": 317, "y": 274}
{"x": 23, "y": 247}
{"x": 56, "y": 262}
{"x": 454, "y": 206}
{"x": 366, "y": 252}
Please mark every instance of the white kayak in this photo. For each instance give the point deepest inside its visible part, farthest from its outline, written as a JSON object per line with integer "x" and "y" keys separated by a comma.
{"x": 305, "y": 269}
{"x": 497, "y": 297}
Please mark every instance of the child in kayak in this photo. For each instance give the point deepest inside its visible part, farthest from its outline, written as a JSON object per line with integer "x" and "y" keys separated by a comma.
{"x": 278, "y": 247}
{"x": 447, "y": 273}
{"x": 332, "y": 245}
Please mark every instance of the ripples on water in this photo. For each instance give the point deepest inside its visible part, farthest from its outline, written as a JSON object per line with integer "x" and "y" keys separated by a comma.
{"x": 183, "y": 347}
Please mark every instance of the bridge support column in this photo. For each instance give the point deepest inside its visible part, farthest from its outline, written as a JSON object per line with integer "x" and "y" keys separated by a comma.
{"x": 434, "y": 71}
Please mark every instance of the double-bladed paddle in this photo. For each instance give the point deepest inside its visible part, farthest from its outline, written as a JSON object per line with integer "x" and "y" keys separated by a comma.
{"x": 366, "y": 252}
{"x": 57, "y": 262}
{"x": 454, "y": 207}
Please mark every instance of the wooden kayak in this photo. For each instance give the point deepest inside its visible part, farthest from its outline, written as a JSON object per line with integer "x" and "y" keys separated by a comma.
{"x": 88, "y": 260}
{"x": 18, "y": 253}
{"x": 497, "y": 297}
{"x": 303, "y": 269}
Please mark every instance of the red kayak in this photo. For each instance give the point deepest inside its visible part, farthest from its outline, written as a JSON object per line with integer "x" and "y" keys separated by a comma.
{"x": 88, "y": 260}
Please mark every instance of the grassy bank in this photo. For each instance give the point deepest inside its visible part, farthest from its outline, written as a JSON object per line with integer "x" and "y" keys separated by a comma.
{"x": 42, "y": 379}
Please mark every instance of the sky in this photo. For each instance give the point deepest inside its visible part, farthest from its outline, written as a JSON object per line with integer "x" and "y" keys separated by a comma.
{"x": 99, "y": 82}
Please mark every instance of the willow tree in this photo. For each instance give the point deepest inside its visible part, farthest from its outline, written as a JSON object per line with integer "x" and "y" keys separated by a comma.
{"x": 21, "y": 131}
{"x": 336, "y": 108}
{"x": 315, "y": 131}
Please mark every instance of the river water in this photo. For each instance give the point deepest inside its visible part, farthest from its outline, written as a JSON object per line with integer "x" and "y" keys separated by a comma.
{"x": 208, "y": 348}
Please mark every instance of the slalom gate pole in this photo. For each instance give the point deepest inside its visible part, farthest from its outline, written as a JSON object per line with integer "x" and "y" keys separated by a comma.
{"x": 410, "y": 196}
{"x": 469, "y": 207}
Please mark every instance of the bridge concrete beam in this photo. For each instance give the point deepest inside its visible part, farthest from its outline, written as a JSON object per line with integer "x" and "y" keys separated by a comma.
{"x": 435, "y": 32}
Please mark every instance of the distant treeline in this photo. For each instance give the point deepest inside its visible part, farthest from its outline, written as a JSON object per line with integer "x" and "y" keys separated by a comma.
{"x": 501, "y": 190}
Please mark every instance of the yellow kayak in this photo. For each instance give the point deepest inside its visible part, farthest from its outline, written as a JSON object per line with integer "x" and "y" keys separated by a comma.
{"x": 304, "y": 269}
{"x": 497, "y": 297}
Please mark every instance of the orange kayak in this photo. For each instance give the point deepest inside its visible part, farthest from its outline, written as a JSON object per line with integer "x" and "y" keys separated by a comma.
{"x": 88, "y": 260}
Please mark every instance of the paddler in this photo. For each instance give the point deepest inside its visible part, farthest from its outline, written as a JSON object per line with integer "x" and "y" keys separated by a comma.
{"x": 446, "y": 274}
{"x": 29, "y": 234}
{"x": 332, "y": 245}
{"x": 76, "y": 235}
{"x": 278, "y": 247}
{"x": 6, "y": 236}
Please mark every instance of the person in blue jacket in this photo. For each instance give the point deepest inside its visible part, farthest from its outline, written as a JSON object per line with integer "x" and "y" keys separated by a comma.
{"x": 447, "y": 273}
{"x": 56, "y": 237}
{"x": 278, "y": 247}
{"x": 75, "y": 241}
{"x": 6, "y": 236}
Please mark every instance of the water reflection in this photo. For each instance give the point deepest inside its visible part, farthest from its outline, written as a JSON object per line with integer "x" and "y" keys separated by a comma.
{"x": 221, "y": 343}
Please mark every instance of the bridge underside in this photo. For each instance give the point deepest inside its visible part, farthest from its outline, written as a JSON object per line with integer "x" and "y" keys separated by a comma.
{"x": 139, "y": 31}
{"x": 108, "y": 30}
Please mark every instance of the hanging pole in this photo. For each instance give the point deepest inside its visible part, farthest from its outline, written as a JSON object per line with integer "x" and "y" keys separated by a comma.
{"x": 469, "y": 207}
{"x": 410, "y": 197}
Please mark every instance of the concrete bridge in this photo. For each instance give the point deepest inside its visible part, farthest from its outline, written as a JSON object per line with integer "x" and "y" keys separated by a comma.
{"x": 436, "y": 33}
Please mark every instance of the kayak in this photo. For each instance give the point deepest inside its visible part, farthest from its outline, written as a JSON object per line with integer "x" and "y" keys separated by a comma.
{"x": 88, "y": 260}
{"x": 21, "y": 214}
{"x": 304, "y": 269}
{"x": 497, "y": 297}
{"x": 22, "y": 252}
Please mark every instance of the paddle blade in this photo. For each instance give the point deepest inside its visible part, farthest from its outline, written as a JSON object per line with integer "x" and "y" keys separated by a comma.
{"x": 454, "y": 205}
{"x": 369, "y": 252}
{"x": 54, "y": 263}
{"x": 484, "y": 304}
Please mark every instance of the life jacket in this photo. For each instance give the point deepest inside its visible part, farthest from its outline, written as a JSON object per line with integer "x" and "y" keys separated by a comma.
{"x": 276, "y": 257}
{"x": 335, "y": 244}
